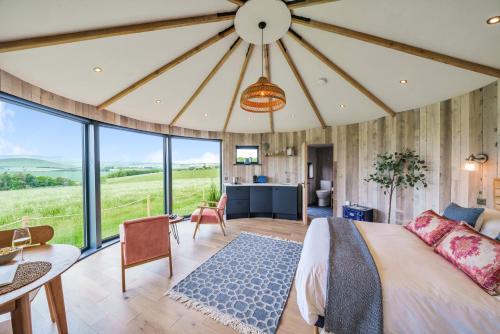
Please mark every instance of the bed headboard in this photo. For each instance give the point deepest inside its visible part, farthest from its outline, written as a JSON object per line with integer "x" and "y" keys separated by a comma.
{"x": 496, "y": 193}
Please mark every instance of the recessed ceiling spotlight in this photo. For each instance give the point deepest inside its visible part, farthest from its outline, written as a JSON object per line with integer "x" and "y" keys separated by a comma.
{"x": 97, "y": 69}
{"x": 493, "y": 20}
{"x": 205, "y": 114}
{"x": 322, "y": 81}
{"x": 342, "y": 106}
{"x": 158, "y": 101}
{"x": 403, "y": 82}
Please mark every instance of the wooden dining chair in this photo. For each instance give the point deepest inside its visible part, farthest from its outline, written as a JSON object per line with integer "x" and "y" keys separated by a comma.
{"x": 210, "y": 213}
{"x": 40, "y": 235}
{"x": 144, "y": 240}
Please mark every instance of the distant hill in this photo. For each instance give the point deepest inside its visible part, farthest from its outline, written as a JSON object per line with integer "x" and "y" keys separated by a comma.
{"x": 30, "y": 163}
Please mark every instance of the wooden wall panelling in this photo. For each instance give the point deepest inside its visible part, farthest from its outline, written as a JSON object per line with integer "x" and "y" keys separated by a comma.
{"x": 352, "y": 162}
{"x": 341, "y": 191}
{"x": 442, "y": 133}
{"x": 490, "y": 114}
{"x": 475, "y": 122}
{"x": 444, "y": 176}
{"x": 405, "y": 131}
{"x": 363, "y": 162}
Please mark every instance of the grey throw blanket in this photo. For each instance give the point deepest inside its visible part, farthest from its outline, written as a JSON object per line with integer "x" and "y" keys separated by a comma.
{"x": 354, "y": 293}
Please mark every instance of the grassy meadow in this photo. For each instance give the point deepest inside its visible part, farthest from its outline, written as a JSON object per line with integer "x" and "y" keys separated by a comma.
{"x": 65, "y": 203}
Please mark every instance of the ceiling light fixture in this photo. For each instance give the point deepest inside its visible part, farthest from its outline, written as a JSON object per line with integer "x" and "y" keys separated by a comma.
{"x": 158, "y": 101}
{"x": 342, "y": 106}
{"x": 493, "y": 20}
{"x": 323, "y": 81}
{"x": 206, "y": 115}
{"x": 403, "y": 82}
{"x": 97, "y": 69}
{"x": 262, "y": 96}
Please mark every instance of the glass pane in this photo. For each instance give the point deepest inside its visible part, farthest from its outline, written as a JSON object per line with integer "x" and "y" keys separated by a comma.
{"x": 195, "y": 173}
{"x": 131, "y": 177}
{"x": 41, "y": 172}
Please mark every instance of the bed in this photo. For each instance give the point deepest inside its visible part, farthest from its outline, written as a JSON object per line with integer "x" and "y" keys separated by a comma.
{"x": 422, "y": 292}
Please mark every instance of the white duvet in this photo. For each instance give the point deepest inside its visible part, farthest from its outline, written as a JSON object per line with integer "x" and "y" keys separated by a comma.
{"x": 422, "y": 292}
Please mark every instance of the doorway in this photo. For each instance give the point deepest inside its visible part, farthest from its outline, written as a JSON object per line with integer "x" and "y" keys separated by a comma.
{"x": 319, "y": 173}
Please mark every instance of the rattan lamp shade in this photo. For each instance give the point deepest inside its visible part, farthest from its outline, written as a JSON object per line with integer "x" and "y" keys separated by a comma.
{"x": 262, "y": 97}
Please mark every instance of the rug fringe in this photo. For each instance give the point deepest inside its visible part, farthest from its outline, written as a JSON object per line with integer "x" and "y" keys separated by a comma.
{"x": 272, "y": 237}
{"x": 223, "y": 318}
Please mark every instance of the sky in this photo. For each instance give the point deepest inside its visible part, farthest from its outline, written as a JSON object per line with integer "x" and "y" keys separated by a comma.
{"x": 26, "y": 132}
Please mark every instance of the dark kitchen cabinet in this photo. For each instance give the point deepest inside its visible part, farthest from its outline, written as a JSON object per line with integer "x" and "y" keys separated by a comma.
{"x": 261, "y": 199}
{"x": 282, "y": 202}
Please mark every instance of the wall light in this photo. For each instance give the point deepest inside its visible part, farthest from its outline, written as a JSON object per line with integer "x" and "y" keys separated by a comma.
{"x": 472, "y": 161}
{"x": 493, "y": 20}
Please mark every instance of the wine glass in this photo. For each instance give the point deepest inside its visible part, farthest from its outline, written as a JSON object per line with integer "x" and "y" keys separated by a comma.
{"x": 21, "y": 239}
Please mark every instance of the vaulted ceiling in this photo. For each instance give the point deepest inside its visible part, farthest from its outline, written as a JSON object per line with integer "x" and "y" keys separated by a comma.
{"x": 362, "y": 73}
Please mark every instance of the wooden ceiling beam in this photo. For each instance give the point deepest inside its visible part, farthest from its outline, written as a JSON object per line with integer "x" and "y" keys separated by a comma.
{"x": 166, "y": 67}
{"x": 406, "y": 48}
{"x": 295, "y": 4}
{"x": 206, "y": 80}
{"x": 237, "y": 2}
{"x": 267, "y": 61}
{"x": 302, "y": 84}
{"x": 238, "y": 85}
{"x": 341, "y": 72}
{"x": 36, "y": 42}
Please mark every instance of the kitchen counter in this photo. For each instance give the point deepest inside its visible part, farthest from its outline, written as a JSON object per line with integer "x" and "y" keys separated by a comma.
{"x": 273, "y": 200}
{"x": 262, "y": 184}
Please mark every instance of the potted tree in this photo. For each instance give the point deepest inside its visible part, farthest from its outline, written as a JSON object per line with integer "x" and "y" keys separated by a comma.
{"x": 398, "y": 170}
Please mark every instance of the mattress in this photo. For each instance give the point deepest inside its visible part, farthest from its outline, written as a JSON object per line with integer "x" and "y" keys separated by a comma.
{"x": 422, "y": 292}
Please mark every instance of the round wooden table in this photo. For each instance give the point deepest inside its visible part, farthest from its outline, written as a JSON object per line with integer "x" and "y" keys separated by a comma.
{"x": 17, "y": 302}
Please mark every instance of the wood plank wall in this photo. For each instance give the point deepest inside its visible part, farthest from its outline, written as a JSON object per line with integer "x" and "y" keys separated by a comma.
{"x": 443, "y": 133}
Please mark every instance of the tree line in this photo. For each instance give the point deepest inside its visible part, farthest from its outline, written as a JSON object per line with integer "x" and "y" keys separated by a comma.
{"x": 14, "y": 181}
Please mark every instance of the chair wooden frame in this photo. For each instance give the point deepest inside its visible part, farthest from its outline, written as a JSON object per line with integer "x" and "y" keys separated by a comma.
{"x": 209, "y": 205}
{"x": 124, "y": 266}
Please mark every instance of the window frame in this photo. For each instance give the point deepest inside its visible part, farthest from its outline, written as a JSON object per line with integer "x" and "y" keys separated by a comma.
{"x": 8, "y": 98}
{"x": 92, "y": 236}
{"x": 170, "y": 137}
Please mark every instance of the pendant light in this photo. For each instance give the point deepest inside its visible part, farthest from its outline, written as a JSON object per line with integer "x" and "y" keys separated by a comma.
{"x": 262, "y": 96}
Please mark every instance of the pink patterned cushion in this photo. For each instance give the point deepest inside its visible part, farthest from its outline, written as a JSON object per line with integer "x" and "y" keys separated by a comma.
{"x": 431, "y": 227}
{"x": 475, "y": 254}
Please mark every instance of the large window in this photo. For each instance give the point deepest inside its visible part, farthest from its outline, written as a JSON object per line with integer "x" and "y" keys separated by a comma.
{"x": 41, "y": 172}
{"x": 47, "y": 174}
{"x": 195, "y": 173}
{"x": 131, "y": 177}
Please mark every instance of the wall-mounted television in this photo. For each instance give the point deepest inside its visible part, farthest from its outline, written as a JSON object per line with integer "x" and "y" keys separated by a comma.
{"x": 247, "y": 155}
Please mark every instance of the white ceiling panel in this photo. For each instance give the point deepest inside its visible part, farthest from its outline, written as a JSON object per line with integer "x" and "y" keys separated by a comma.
{"x": 454, "y": 27}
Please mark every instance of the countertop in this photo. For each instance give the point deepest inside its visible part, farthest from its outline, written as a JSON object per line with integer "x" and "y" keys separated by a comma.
{"x": 262, "y": 184}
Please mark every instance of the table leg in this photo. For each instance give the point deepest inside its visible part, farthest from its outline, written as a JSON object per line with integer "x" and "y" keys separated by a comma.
{"x": 56, "y": 292}
{"x": 21, "y": 316}
{"x": 175, "y": 232}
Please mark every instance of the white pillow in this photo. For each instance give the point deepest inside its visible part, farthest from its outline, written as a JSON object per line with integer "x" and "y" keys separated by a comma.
{"x": 490, "y": 223}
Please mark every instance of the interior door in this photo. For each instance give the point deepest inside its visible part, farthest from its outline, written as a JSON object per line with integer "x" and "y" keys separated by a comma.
{"x": 305, "y": 183}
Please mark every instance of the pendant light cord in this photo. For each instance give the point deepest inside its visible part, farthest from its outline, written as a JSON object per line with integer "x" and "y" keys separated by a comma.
{"x": 262, "y": 53}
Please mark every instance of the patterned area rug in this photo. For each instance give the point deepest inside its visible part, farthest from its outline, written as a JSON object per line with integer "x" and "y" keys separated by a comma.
{"x": 245, "y": 285}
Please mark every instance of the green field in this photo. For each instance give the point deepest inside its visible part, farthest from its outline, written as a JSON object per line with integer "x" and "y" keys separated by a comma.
{"x": 61, "y": 207}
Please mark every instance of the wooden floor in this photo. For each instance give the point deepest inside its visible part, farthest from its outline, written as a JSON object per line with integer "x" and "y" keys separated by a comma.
{"x": 95, "y": 303}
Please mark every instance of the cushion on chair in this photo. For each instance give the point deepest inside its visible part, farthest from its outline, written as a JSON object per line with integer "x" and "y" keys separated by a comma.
{"x": 471, "y": 216}
{"x": 430, "y": 227}
{"x": 209, "y": 216}
{"x": 475, "y": 254}
{"x": 145, "y": 238}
